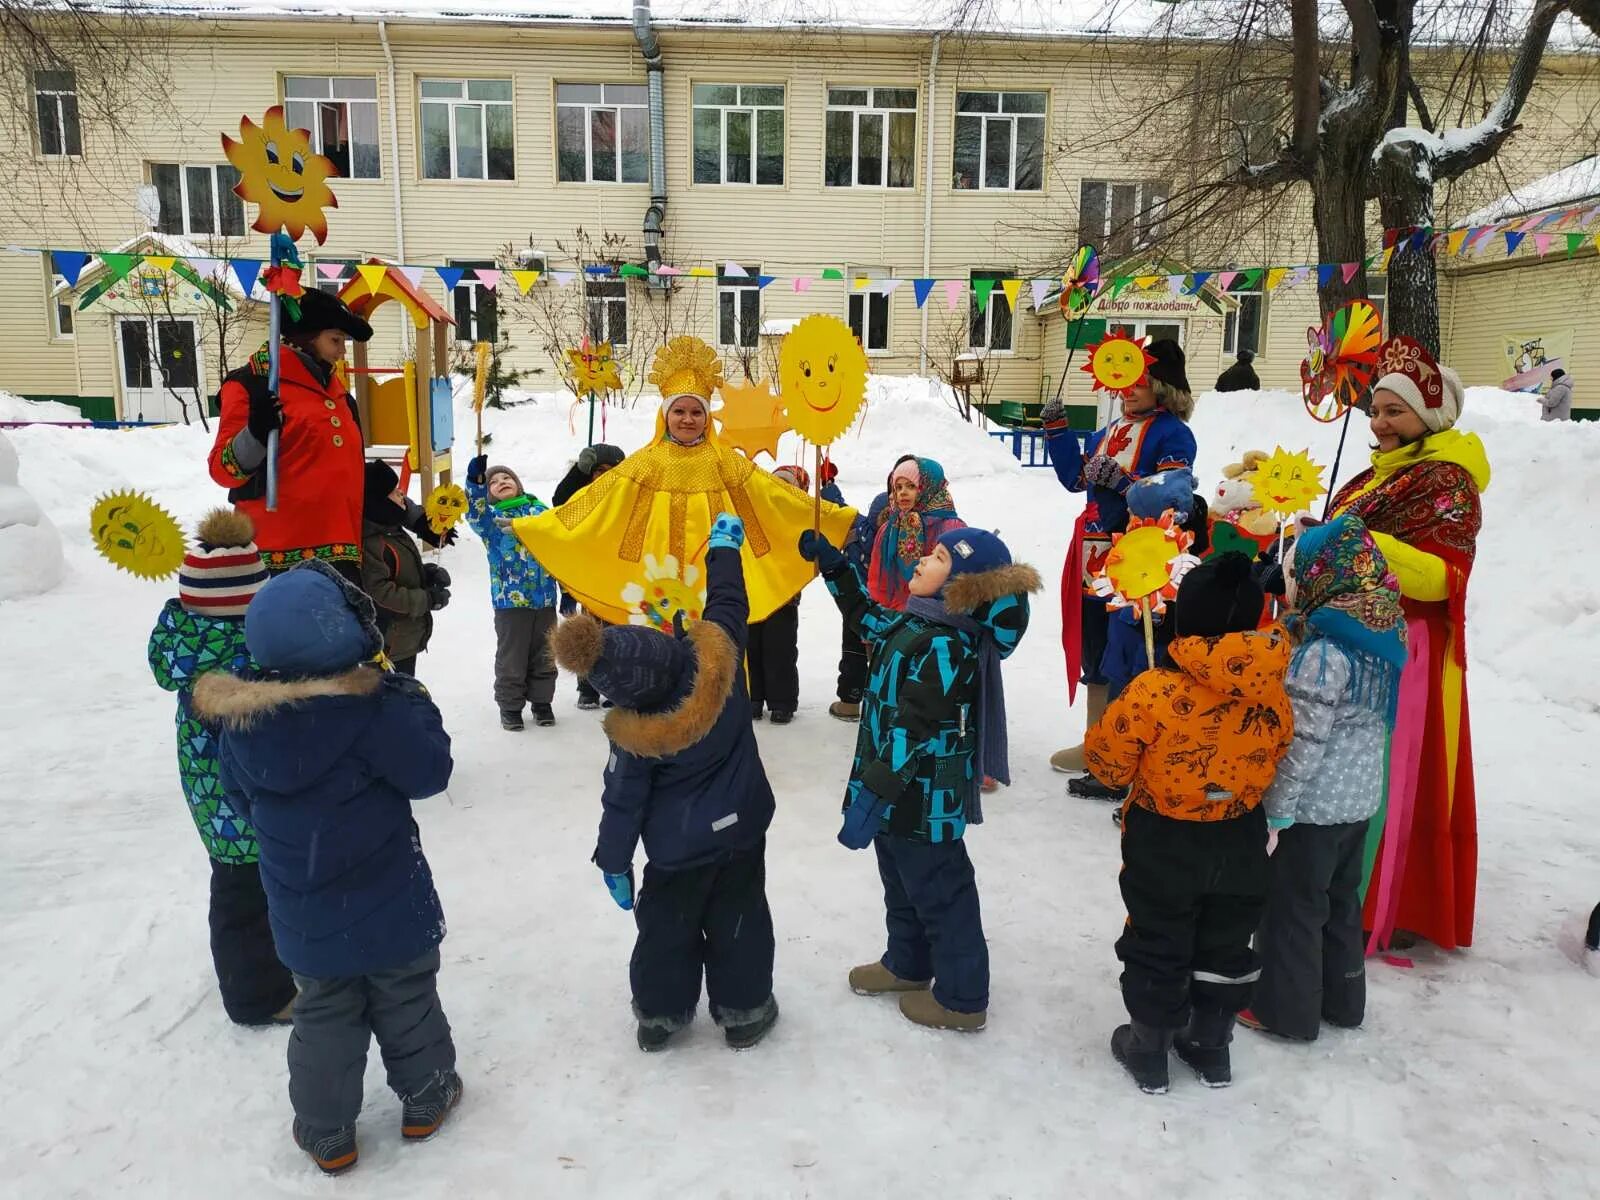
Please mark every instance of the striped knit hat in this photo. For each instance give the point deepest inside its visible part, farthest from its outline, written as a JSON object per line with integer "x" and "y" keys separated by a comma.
{"x": 224, "y": 571}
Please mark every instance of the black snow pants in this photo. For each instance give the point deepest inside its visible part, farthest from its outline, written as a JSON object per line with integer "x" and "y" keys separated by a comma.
{"x": 254, "y": 984}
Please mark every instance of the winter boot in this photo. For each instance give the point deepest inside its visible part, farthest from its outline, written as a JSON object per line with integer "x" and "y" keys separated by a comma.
{"x": 753, "y": 1025}
{"x": 757, "y": 710}
{"x": 333, "y": 1150}
{"x": 511, "y": 720}
{"x": 923, "y": 1009}
{"x": 781, "y": 718}
{"x": 587, "y": 702}
{"x": 653, "y": 1037}
{"x": 1142, "y": 1050}
{"x": 875, "y": 979}
{"x": 1070, "y": 761}
{"x": 422, "y": 1114}
{"x": 1204, "y": 1046}
{"x": 543, "y": 714}
{"x": 285, "y": 1015}
{"x": 845, "y": 710}
{"x": 1091, "y": 788}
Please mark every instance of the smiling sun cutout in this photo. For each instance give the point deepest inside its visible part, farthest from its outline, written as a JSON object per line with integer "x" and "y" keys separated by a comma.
{"x": 136, "y": 534}
{"x": 823, "y": 373}
{"x": 1285, "y": 484}
{"x": 1146, "y": 564}
{"x": 1118, "y": 363}
{"x": 279, "y": 172}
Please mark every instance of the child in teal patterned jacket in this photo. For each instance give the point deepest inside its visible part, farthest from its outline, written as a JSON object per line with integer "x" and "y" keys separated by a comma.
{"x": 203, "y": 630}
{"x": 524, "y": 596}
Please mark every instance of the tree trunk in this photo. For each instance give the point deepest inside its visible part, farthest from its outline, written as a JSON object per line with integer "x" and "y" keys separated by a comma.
{"x": 1405, "y": 192}
{"x": 1339, "y": 210}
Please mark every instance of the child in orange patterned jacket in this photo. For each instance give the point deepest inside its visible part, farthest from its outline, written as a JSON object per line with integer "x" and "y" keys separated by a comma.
{"x": 1196, "y": 747}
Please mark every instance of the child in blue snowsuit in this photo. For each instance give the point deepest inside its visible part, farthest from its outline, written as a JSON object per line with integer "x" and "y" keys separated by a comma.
{"x": 684, "y": 776}
{"x": 326, "y": 751}
{"x": 524, "y": 596}
{"x": 932, "y": 727}
{"x": 203, "y": 630}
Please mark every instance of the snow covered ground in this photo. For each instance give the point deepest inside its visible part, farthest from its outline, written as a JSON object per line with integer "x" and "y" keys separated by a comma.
{"x": 1473, "y": 1077}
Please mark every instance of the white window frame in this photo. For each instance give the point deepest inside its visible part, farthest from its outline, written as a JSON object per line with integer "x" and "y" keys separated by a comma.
{"x": 1148, "y": 193}
{"x": 753, "y": 111}
{"x": 470, "y": 330}
{"x": 60, "y": 305}
{"x": 617, "y": 108}
{"x": 601, "y": 296}
{"x": 184, "y": 228}
{"x": 1139, "y": 327}
{"x": 745, "y": 338}
{"x": 1011, "y": 118}
{"x": 1378, "y": 296}
{"x": 452, "y": 105}
{"x": 68, "y": 127}
{"x": 370, "y": 107}
{"x": 996, "y": 295}
{"x": 859, "y": 304}
{"x": 333, "y": 286}
{"x": 870, "y": 109}
{"x": 1231, "y": 321}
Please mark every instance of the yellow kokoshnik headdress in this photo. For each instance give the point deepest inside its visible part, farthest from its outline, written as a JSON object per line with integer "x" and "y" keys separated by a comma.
{"x": 686, "y": 366}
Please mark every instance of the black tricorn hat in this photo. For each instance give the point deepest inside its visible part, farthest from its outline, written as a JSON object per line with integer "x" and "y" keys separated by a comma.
{"x": 320, "y": 310}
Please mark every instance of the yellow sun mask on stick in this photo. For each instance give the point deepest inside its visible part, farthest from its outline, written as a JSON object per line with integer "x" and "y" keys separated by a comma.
{"x": 594, "y": 371}
{"x": 823, "y": 373}
{"x": 1146, "y": 564}
{"x": 1117, "y": 363}
{"x": 279, "y": 172}
{"x": 446, "y": 505}
{"x": 136, "y": 534}
{"x": 1285, "y": 484}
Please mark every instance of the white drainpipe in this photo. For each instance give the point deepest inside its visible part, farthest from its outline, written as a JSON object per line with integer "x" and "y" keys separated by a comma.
{"x": 927, "y": 203}
{"x": 394, "y": 148}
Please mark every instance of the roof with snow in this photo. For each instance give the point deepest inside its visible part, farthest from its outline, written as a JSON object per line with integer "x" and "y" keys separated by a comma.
{"x": 1571, "y": 185}
{"x": 212, "y": 270}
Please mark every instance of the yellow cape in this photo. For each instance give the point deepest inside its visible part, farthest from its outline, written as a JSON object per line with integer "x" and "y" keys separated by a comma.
{"x": 631, "y": 546}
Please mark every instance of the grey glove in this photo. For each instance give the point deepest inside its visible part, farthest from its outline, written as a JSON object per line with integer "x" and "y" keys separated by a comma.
{"x": 588, "y": 460}
{"x": 1053, "y": 411}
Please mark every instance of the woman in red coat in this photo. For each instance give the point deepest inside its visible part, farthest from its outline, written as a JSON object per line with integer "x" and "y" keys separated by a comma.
{"x": 320, "y": 456}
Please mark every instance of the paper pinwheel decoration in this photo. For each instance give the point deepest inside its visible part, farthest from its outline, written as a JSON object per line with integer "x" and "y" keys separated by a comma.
{"x": 594, "y": 371}
{"x": 1340, "y": 359}
{"x": 1146, "y": 564}
{"x": 446, "y": 505}
{"x": 1118, "y": 363}
{"x": 282, "y": 176}
{"x": 1284, "y": 484}
{"x": 751, "y": 418}
{"x": 1081, "y": 282}
{"x": 822, "y": 370}
{"x": 136, "y": 534}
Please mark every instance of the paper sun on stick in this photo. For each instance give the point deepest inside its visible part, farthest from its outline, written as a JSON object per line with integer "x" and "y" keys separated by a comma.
{"x": 136, "y": 534}
{"x": 282, "y": 176}
{"x": 823, "y": 373}
{"x": 1146, "y": 564}
{"x": 751, "y": 418}
{"x": 594, "y": 371}
{"x": 446, "y": 505}
{"x": 1285, "y": 484}
{"x": 1117, "y": 363}
{"x": 1340, "y": 359}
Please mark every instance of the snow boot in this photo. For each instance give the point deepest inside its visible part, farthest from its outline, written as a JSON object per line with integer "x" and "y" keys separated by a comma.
{"x": 422, "y": 1114}
{"x": 511, "y": 720}
{"x": 875, "y": 979}
{"x": 1091, "y": 788}
{"x": 845, "y": 710}
{"x": 750, "y": 1031}
{"x": 588, "y": 703}
{"x": 921, "y": 1008}
{"x": 757, "y": 710}
{"x": 1070, "y": 761}
{"x": 1204, "y": 1047}
{"x": 543, "y": 715}
{"x": 653, "y": 1037}
{"x": 333, "y": 1150}
{"x": 1591, "y": 939}
{"x": 781, "y": 718}
{"x": 1142, "y": 1050}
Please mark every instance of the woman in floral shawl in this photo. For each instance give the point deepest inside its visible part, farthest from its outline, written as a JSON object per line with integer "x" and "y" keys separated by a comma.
{"x": 1421, "y": 501}
{"x": 919, "y": 510}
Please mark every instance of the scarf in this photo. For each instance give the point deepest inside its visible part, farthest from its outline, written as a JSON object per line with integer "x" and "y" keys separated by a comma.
{"x": 903, "y": 543}
{"x": 992, "y": 758}
{"x": 1346, "y": 594}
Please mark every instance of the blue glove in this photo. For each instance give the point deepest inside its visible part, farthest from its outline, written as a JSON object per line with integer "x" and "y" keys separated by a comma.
{"x": 863, "y": 820}
{"x": 727, "y": 533}
{"x": 476, "y": 468}
{"x": 621, "y": 888}
{"x": 816, "y": 548}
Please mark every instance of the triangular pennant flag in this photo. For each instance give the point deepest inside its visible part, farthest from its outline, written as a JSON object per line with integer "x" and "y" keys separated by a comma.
{"x": 982, "y": 289}
{"x": 209, "y": 269}
{"x": 68, "y": 264}
{"x": 1418, "y": 240}
{"x": 525, "y": 280}
{"x": 245, "y": 270}
{"x": 633, "y": 271}
{"x": 1175, "y": 284}
{"x": 1275, "y": 277}
{"x": 161, "y": 262}
{"x": 888, "y": 286}
{"x": 1250, "y": 278}
{"x": 121, "y": 264}
{"x": 763, "y": 280}
{"x": 1453, "y": 243}
{"x": 802, "y": 283}
{"x": 667, "y": 271}
{"x": 832, "y": 273}
{"x": 1385, "y": 259}
{"x": 1541, "y": 243}
{"x": 921, "y": 288}
{"x": 732, "y": 270}
{"x": 1146, "y": 282}
{"x": 1574, "y": 240}
{"x": 449, "y": 276}
{"x": 1200, "y": 278}
{"x": 412, "y": 275}
{"x": 598, "y": 269}
{"x": 330, "y": 270}
{"x": 1513, "y": 240}
{"x": 1225, "y": 279}
{"x": 1012, "y": 288}
{"x": 1119, "y": 284}
{"x": 1390, "y": 237}
{"x": 861, "y": 283}
{"x": 372, "y": 275}
{"x": 1325, "y": 273}
{"x": 1040, "y": 289}
{"x": 699, "y": 273}
{"x": 1350, "y": 270}
{"x": 952, "y": 293}
{"x": 489, "y": 277}
{"x": 563, "y": 278}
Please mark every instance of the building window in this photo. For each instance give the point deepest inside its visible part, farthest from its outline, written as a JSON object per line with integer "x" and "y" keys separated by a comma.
{"x": 1152, "y": 331}
{"x": 608, "y": 310}
{"x": 1120, "y": 218}
{"x": 602, "y": 133}
{"x": 198, "y": 199}
{"x": 333, "y": 286}
{"x": 475, "y": 311}
{"x": 342, "y": 114}
{"x": 991, "y": 328}
{"x": 60, "y": 302}
{"x": 1000, "y": 141}
{"x": 872, "y": 137}
{"x": 467, "y": 130}
{"x": 1246, "y": 327}
{"x": 738, "y": 133}
{"x": 55, "y": 100}
{"x": 1378, "y": 297}
{"x": 739, "y": 308}
{"x": 867, "y": 310}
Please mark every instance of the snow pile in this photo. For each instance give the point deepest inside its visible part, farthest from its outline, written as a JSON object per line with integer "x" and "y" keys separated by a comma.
{"x": 1570, "y": 185}
{"x": 30, "y": 547}
{"x": 15, "y": 408}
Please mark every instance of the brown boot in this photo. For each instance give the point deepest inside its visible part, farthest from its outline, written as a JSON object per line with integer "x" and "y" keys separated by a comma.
{"x": 1070, "y": 761}
{"x": 875, "y": 979}
{"x": 845, "y": 710}
{"x": 922, "y": 1008}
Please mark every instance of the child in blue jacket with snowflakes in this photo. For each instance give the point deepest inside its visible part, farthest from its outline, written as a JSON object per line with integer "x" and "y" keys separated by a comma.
{"x": 524, "y": 596}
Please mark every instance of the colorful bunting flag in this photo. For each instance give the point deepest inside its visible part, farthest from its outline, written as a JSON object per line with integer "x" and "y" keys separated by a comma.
{"x": 489, "y": 277}
{"x": 372, "y": 274}
{"x": 1513, "y": 240}
{"x": 209, "y": 269}
{"x": 1012, "y": 288}
{"x": 1040, "y": 289}
{"x": 763, "y": 280}
{"x": 246, "y": 271}
{"x": 668, "y": 272}
{"x": 1225, "y": 280}
{"x": 1326, "y": 272}
{"x": 1350, "y": 270}
{"x": 1574, "y": 240}
{"x": 697, "y": 273}
{"x": 921, "y": 288}
{"x": 1145, "y": 282}
{"x": 889, "y": 286}
{"x": 120, "y": 264}
{"x": 952, "y": 293}
{"x": 861, "y": 282}
{"x": 982, "y": 289}
{"x": 412, "y": 275}
{"x": 802, "y": 283}
{"x": 832, "y": 273}
{"x": 732, "y": 270}
{"x": 330, "y": 270}
{"x": 563, "y": 278}
{"x": 525, "y": 280}
{"x": 1453, "y": 244}
{"x": 449, "y": 276}
{"x": 1200, "y": 278}
{"x": 68, "y": 264}
{"x": 634, "y": 271}
{"x": 161, "y": 262}
{"x": 1275, "y": 277}
{"x": 1541, "y": 243}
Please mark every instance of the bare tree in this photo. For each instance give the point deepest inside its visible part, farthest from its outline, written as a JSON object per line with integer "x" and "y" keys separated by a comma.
{"x": 966, "y": 370}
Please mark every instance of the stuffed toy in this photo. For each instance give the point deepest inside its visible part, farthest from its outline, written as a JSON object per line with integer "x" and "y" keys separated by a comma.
{"x": 1236, "y": 503}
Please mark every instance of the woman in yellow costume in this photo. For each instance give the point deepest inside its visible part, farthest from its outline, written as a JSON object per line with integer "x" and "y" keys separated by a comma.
{"x": 631, "y": 546}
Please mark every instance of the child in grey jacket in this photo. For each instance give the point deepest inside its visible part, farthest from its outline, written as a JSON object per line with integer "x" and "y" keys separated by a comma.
{"x": 1344, "y": 683}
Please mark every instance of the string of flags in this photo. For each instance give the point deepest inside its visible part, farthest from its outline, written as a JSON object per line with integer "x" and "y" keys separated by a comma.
{"x": 1539, "y": 231}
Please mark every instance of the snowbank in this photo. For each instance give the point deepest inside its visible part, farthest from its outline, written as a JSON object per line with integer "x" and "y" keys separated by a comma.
{"x": 15, "y": 408}
{"x": 30, "y": 547}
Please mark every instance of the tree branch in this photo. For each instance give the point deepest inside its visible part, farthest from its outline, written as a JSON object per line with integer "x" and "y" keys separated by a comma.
{"x": 1307, "y": 81}
{"x": 1367, "y": 41}
{"x": 1419, "y": 102}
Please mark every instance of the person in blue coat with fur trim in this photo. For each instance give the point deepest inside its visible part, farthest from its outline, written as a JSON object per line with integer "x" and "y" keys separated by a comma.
{"x": 325, "y": 751}
{"x": 684, "y": 776}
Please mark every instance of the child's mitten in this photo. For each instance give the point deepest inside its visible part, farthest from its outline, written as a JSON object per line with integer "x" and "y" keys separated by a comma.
{"x": 621, "y": 888}
{"x": 727, "y": 532}
{"x": 863, "y": 821}
{"x": 818, "y": 549}
{"x": 476, "y": 468}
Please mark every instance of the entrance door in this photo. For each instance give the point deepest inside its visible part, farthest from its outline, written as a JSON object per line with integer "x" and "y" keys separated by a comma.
{"x": 161, "y": 370}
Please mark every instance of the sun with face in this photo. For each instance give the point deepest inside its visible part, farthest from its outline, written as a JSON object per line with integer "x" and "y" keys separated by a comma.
{"x": 1285, "y": 484}
{"x": 594, "y": 370}
{"x": 282, "y": 176}
{"x": 663, "y": 594}
{"x": 1117, "y": 363}
{"x": 446, "y": 505}
{"x": 135, "y": 533}
{"x": 823, "y": 372}
{"x": 1146, "y": 564}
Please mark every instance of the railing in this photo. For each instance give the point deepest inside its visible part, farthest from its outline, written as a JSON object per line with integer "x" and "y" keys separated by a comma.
{"x": 87, "y": 424}
{"x": 1028, "y": 446}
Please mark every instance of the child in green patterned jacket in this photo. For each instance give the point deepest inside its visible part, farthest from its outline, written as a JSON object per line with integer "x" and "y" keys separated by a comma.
{"x": 203, "y": 630}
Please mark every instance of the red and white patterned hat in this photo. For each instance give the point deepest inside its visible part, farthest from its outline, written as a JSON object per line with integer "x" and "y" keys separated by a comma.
{"x": 1433, "y": 391}
{"x": 224, "y": 571}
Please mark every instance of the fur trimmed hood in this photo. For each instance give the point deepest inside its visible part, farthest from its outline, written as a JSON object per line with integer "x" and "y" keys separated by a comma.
{"x": 656, "y": 735}
{"x": 965, "y": 593}
{"x": 231, "y": 703}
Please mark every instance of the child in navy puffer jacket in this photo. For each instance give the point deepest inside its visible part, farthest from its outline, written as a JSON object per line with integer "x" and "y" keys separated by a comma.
{"x": 326, "y": 752}
{"x": 685, "y": 775}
